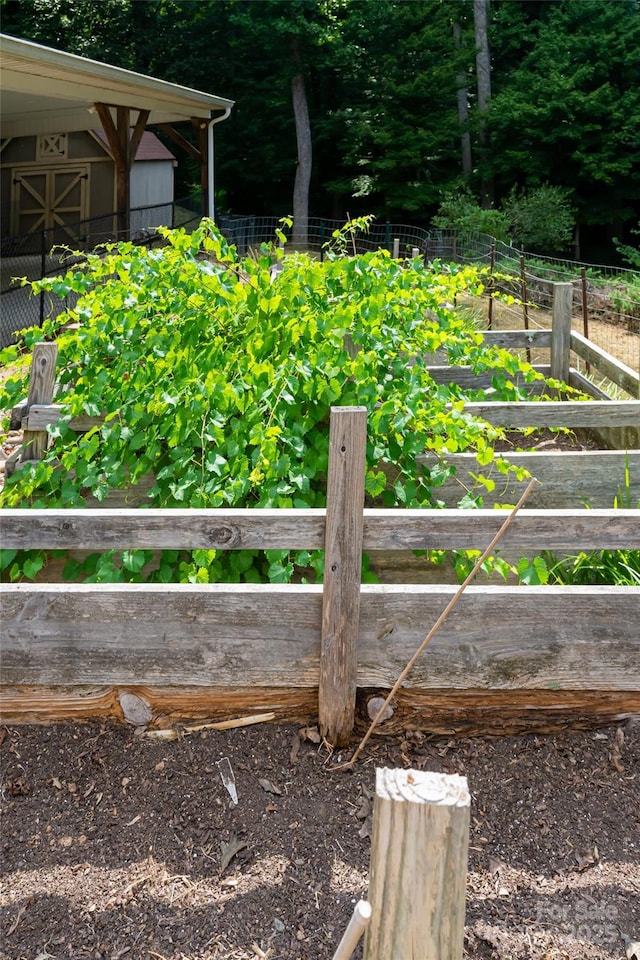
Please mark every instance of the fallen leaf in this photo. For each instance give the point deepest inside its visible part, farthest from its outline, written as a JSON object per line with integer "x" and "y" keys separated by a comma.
{"x": 633, "y": 950}
{"x": 269, "y": 787}
{"x": 588, "y": 859}
{"x": 310, "y": 733}
{"x": 295, "y": 748}
{"x": 260, "y": 953}
{"x": 18, "y": 788}
{"x": 614, "y": 759}
{"x": 365, "y": 830}
{"x": 229, "y": 850}
{"x": 56, "y": 783}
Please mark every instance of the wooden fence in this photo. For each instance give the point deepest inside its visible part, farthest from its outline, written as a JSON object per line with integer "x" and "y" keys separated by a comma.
{"x": 507, "y": 658}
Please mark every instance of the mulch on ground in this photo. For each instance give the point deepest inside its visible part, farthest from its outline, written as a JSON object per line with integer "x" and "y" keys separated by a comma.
{"x": 119, "y": 846}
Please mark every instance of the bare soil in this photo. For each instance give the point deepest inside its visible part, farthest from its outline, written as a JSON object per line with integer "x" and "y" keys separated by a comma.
{"x": 119, "y": 846}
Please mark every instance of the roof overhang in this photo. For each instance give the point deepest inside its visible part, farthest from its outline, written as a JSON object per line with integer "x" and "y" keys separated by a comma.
{"x": 48, "y": 91}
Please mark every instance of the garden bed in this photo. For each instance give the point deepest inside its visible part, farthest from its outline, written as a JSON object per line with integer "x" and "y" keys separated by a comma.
{"x": 115, "y": 845}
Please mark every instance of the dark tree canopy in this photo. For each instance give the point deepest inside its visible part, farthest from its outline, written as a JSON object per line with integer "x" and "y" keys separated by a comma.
{"x": 382, "y": 81}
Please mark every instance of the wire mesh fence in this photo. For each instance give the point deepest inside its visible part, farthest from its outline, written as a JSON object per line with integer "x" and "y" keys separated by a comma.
{"x": 519, "y": 295}
{"x": 45, "y": 253}
{"x": 606, "y": 299}
{"x": 247, "y": 233}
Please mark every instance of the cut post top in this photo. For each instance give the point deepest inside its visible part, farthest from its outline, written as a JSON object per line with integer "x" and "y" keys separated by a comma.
{"x": 422, "y": 786}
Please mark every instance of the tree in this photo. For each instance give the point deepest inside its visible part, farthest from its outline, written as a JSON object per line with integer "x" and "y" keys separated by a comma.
{"x": 396, "y": 128}
{"x": 483, "y": 80}
{"x": 566, "y": 103}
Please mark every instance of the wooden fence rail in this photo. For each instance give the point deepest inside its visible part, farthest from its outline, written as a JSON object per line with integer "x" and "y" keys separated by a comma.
{"x": 509, "y": 657}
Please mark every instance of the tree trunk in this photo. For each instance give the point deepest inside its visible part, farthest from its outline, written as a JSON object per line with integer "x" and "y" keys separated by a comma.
{"x": 483, "y": 75}
{"x": 463, "y": 110}
{"x": 303, "y": 168}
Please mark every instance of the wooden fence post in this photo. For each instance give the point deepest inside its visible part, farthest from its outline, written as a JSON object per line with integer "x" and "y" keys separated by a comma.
{"x": 342, "y": 573}
{"x": 561, "y": 330}
{"x": 418, "y": 872}
{"x": 41, "y": 383}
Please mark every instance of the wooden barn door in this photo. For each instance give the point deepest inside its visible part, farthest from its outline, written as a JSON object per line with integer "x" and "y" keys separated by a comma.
{"x": 55, "y": 197}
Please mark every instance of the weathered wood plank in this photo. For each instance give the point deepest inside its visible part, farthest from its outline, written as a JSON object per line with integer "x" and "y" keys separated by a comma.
{"x": 532, "y": 530}
{"x": 128, "y": 528}
{"x": 580, "y": 382}
{"x": 561, "y": 330}
{"x": 283, "y": 529}
{"x": 30, "y": 704}
{"x": 448, "y": 713}
{"x": 567, "y": 479}
{"x": 620, "y": 412}
{"x": 41, "y": 383}
{"x": 41, "y": 415}
{"x": 342, "y": 573}
{"x": 609, "y": 366}
{"x": 418, "y": 867}
{"x": 558, "y": 413}
{"x": 171, "y": 634}
{"x": 573, "y": 638}
{"x": 499, "y": 712}
{"x": 517, "y": 339}
{"x": 468, "y": 379}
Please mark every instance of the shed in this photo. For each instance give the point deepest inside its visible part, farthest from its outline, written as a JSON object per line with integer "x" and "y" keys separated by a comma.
{"x": 56, "y": 181}
{"x": 53, "y": 107}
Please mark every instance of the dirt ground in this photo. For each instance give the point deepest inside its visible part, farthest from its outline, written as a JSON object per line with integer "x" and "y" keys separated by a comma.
{"x": 119, "y": 846}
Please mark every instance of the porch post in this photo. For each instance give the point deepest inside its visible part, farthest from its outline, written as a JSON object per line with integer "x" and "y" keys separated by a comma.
{"x": 123, "y": 144}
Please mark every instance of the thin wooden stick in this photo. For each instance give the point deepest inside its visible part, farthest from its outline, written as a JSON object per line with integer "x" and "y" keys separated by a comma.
{"x": 357, "y": 925}
{"x": 173, "y": 734}
{"x": 434, "y": 629}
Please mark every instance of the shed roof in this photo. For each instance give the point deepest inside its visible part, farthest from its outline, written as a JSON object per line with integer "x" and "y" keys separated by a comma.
{"x": 49, "y": 91}
{"x": 150, "y": 147}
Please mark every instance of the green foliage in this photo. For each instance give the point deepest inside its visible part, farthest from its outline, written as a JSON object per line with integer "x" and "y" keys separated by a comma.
{"x": 541, "y": 219}
{"x": 625, "y": 297}
{"x": 217, "y": 374}
{"x": 631, "y": 254}
{"x": 613, "y": 567}
{"x": 566, "y": 102}
{"x": 382, "y": 81}
{"x": 460, "y": 211}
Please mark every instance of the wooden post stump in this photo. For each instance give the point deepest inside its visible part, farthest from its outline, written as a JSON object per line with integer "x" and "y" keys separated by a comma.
{"x": 561, "y": 330}
{"x": 418, "y": 872}
{"x": 342, "y": 572}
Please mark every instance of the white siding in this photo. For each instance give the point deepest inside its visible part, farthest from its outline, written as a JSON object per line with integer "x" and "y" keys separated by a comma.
{"x": 151, "y": 185}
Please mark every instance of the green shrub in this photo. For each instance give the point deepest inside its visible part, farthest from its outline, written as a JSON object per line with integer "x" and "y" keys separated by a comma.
{"x": 218, "y": 373}
{"x": 461, "y": 212}
{"x": 540, "y": 219}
